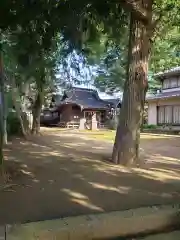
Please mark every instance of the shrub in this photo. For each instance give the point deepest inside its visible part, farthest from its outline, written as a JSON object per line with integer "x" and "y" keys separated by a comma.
{"x": 149, "y": 126}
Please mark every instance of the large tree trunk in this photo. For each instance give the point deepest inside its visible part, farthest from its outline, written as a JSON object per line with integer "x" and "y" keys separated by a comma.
{"x": 126, "y": 146}
{"x": 37, "y": 112}
{"x": 4, "y": 111}
{"x": 17, "y": 104}
{"x": 1, "y": 132}
{"x": 1, "y": 109}
{"x": 3, "y": 100}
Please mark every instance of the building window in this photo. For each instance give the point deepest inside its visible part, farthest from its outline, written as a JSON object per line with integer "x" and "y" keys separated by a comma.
{"x": 173, "y": 82}
{"x": 161, "y": 115}
{"x": 176, "y": 115}
{"x": 169, "y": 115}
{"x": 166, "y": 83}
{"x": 179, "y": 81}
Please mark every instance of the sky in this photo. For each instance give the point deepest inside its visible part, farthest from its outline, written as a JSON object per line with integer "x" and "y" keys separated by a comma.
{"x": 85, "y": 78}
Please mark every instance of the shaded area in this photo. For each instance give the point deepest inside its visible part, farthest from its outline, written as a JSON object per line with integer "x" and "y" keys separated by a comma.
{"x": 62, "y": 174}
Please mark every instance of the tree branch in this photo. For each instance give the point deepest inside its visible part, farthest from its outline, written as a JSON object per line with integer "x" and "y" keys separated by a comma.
{"x": 137, "y": 10}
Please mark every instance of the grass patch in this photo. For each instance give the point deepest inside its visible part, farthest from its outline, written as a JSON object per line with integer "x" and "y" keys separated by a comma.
{"x": 101, "y": 135}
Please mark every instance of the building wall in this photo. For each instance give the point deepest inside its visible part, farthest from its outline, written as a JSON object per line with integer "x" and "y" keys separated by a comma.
{"x": 171, "y": 89}
{"x": 152, "y": 108}
{"x": 152, "y": 113}
{"x": 70, "y": 113}
{"x": 169, "y": 101}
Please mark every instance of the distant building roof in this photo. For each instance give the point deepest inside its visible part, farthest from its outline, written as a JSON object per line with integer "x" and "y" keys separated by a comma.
{"x": 163, "y": 95}
{"x": 86, "y": 99}
{"x": 170, "y": 72}
{"x": 115, "y": 101}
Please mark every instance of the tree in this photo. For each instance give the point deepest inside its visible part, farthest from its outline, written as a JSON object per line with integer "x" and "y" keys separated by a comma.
{"x": 126, "y": 146}
{"x": 165, "y": 50}
{"x": 83, "y": 23}
{"x": 29, "y": 16}
{"x": 1, "y": 108}
{"x": 127, "y": 137}
{"x": 148, "y": 20}
{"x": 111, "y": 71}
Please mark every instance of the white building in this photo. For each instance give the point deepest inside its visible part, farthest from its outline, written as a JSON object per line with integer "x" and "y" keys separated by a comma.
{"x": 164, "y": 107}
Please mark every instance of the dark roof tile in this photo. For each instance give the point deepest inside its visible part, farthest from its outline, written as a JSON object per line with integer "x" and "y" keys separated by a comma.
{"x": 86, "y": 98}
{"x": 164, "y": 95}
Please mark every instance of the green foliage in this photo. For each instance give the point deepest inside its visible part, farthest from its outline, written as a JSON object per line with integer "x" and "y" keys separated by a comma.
{"x": 111, "y": 71}
{"x": 166, "y": 51}
{"x": 150, "y": 126}
{"x": 96, "y": 30}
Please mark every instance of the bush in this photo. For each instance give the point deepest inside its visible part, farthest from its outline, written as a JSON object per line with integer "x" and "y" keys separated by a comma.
{"x": 149, "y": 126}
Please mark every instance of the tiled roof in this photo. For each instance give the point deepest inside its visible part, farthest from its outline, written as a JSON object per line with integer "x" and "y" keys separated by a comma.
{"x": 169, "y": 72}
{"x": 164, "y": 95}
{"x": 86, "y": 98}
{"x": 114, "y": 101}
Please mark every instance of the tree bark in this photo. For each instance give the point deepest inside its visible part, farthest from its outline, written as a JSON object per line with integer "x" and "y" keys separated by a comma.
{"x": 1, "y": 133}
{"x": 37, "y": 111}
{"x": 1, "y": 109}
{"x": 137, "y": 10}
{"x": 126, "y": 146}
{"x": 17, "y": 104}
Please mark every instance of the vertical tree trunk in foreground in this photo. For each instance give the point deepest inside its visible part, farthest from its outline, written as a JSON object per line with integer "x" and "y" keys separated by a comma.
{"x": 1, "y": 132}
{"x": 3, "y": 101}
{"x": 37, "y": 111}
{"x": 17, "y": 104}
{"x": 1, "y": 109}
{"x": 126, "y": 146}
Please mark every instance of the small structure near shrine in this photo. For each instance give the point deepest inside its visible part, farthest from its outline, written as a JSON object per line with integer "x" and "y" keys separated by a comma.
{"x": 80, "y": 108}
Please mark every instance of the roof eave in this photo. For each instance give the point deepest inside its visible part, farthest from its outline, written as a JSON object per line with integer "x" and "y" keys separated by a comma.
{"x": 168, "y": 73}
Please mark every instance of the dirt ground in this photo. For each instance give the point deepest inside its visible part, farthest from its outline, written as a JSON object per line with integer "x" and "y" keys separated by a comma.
{"x": 64, "y": 173}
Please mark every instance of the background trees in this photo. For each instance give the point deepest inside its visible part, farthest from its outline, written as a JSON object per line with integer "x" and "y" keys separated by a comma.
{"x": 39, "y": 35}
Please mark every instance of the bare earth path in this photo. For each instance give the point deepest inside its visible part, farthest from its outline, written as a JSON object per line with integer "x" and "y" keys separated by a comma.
{"x": 63, "y": 174}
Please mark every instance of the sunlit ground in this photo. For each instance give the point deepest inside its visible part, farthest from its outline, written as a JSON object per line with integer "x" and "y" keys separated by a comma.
{"x": 110, "y": 135}
{"x": 63, "y": 173}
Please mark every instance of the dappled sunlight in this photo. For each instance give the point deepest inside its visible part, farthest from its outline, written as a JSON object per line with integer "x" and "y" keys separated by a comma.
{"x": 163, "y": 160}
{"x": 119, "y": 189}
{"x": 73, "y": 144}
{"x": 111, "y": 169}
{"x": 87, "y": 204}
{"x": 74, "y": 194}
{"x": 101, "y": 148}
{"x": 39, "y": 146}
{"x": 157, "y": 175}
{"x": 27, "y": 173}
{"x": 82, "y": 159}
{"x": 168, "y": 171}
{"x": 36, "y": 181}
{"x": 68, "y": 173}
{"x": 81, "y": 199}
{"x": 158, "y": 136}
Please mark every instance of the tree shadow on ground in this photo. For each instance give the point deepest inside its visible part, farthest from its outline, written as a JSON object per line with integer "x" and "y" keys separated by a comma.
{"x": 60, "y": 176}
